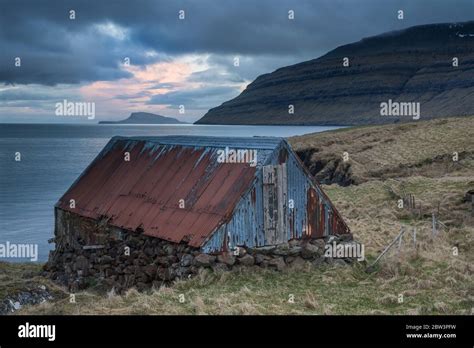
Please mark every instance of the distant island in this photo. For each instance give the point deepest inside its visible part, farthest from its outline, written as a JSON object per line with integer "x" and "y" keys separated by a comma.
{"x": 145, "y": 118}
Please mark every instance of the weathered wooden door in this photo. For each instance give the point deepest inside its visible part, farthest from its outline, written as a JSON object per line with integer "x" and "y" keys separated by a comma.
{"x": 275, "y": 193}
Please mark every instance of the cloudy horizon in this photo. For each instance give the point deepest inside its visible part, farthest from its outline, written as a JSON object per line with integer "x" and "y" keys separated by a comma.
{"x": 130, "y": 56}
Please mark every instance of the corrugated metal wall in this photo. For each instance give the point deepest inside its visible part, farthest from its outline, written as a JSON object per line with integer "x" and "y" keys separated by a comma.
{"x": 312, "y": 214}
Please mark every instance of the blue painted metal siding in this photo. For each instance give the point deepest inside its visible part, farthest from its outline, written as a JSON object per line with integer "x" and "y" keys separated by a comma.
{"x": 298, "y": 185}
{"x": 246, "y": 226}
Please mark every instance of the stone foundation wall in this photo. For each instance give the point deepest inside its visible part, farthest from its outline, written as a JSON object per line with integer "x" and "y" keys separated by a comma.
{"x": 90, "y": 253}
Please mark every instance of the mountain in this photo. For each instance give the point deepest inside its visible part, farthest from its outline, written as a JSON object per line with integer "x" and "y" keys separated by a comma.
{"x": 145, "y": 118}
{"x": 411, "y": 65}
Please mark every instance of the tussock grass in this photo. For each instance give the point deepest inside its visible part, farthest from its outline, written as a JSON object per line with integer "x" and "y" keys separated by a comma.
{"x": 429, "y": 276}
{"x": 328, "y": 290}
{"x": 423, "y": 148}
{"x": 17, "y": 277}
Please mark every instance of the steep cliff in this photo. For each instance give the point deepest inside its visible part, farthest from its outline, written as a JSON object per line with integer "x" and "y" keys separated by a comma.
{"x": 411, "y": 65}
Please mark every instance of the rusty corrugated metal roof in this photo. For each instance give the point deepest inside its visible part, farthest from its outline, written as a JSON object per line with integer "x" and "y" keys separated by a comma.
{"x": 145, "y": 192}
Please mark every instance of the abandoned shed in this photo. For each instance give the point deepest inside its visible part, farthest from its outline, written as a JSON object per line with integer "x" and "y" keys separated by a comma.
{"x": 211, "y": 194}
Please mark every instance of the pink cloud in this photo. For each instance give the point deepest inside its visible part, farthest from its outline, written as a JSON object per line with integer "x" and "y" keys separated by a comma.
{"x": 158, "y": 78}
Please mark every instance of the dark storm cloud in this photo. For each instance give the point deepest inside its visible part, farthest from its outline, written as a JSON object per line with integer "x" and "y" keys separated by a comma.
{"x": 217, "y": 75}
{"x": 55, "y": 49}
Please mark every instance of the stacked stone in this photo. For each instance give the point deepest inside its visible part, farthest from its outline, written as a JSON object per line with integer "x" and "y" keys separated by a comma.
{"x": 141, "y": 261}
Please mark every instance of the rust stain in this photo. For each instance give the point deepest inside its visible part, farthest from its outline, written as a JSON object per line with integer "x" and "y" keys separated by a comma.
{"x": 282, "y": 156}
{"x": 144, "y": 194}
{"x": 314, "y": 210}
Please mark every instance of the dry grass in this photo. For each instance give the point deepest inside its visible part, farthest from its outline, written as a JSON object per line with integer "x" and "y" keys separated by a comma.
{"x": 429, "y": 278}
{"x": 427, "y": 287}
{"x": 16, "y": 277}
{"x": 373, "y": 216}
{"x": 418, "y": 148}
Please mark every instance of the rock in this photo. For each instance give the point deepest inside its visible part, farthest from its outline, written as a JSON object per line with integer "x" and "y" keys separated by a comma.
{"x": 220, "y": 267}
{"x": 77, "y": 285}
{"x": 468, "y": 196}
{"x": 339, "y": 262}
{"x": 246, "y": 260}
{"x": 346, "y": 237}
{"x": 106, "y": 259}
{"x": 282, "y": 249}
{"x": 287, "y": 250}
{"x": 182, "y": 272}
{"x": 109, "y": 272}
{"x": 163, "y": 273}
{"x": 172, "y": 259}
{"x": 310, "y": 251}
{"x": 141, "y": 276}
{"x": 149, "y": 251}
{"x": 265, "y": 250}
{"x": 319, "y": 242}
{"x": 186, "y": 260}
{"x": 349, "y": 260}
{"x": 159, "y": 251}
{"x": 294, "y": 251}
{"x": 150, "y": 270}
{"x": 227, "y": 258}
{"x": 82, "y": 264}
{"x": 141, "y": 286}
{"x": 133, "y": 241}
{"x": 29, "y": 274}
{"x": 277, "y": 263}
{"x": 169, "y": 249}
{"x": 163, "y": 260}
{"x": 129, "y": 270}
{"x": 299, "y": 263}
{"x": 331, "y": 239}
{"x": 259, "y": 258}
{"x": 318, "y": 262}
{"x": 204, "y": 260}
{"x": 329, "y": 260}
{"x": 294, "y": 243}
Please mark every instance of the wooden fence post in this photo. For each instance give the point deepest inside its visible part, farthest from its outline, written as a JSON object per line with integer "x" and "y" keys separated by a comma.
{"x": 402, "y": 230}
{"x": 371, "y": 267}
{"x": 472, "y": 204}
{"x": 414, "y": 237}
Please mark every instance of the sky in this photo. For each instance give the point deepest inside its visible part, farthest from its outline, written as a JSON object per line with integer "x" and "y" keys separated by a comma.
{"x": 174, "y": 58}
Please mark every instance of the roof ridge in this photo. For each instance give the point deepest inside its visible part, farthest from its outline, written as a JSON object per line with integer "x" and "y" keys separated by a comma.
{"x": 258, "y": 142}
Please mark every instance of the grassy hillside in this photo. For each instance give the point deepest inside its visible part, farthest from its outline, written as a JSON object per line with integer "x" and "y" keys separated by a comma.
{"x": 380, "y": 152}
{"x": 386, "y": 161}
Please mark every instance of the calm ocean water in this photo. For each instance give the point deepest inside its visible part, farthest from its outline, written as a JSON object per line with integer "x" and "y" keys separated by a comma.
{"x": 53, "y": 156}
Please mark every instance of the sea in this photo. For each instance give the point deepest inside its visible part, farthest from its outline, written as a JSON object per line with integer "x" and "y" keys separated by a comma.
{"x": 39, "y": 162}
